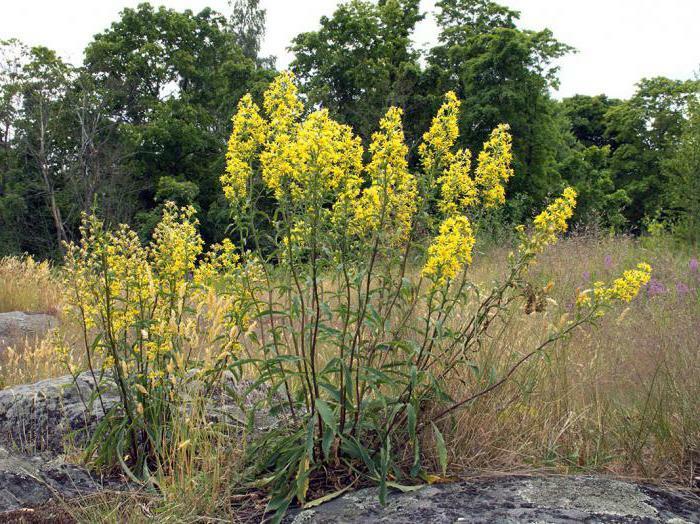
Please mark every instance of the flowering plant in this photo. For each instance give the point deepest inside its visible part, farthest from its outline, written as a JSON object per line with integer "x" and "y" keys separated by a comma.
{"x": 336, "y": 304}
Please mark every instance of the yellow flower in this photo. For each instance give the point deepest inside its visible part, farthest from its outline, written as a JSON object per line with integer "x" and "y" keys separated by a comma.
{"x": 435, "y": 151}
{"x": 390, "y": 201}
{"x": 457, "y": 188}
{"x": 623, "y": 289}
{"x": 494, "y": 166}
{"x": 176, "y": 245}
{"x": 627, "y": 287}
{"x": 450, "y": 250}
{"x": 282, "y": 103}
{"x": 315, "y": 160}
{"x": 247, "y": 137}
{"x": 553, "y": 220}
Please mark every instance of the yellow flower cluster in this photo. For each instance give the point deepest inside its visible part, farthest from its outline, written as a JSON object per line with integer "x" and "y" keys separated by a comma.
{"x": 137, "y": 298}
{"x": 390, "y": 201}
{"x": 457, "y": 188}
{"x": 553, "y": 220}
{"x": 222, "y": 260}
{"x": 176, "y": 245}
{"x": 307, "y": 164}
{"x": 324, "y": 156}
{"x": 435, "y": 150}
{"x": 450, "y": 250}
{"x": 494, "y": 166}
{"x": 282, "y": 104}
{"x": 623, "y": 289}
{"x": 247, "y": 137}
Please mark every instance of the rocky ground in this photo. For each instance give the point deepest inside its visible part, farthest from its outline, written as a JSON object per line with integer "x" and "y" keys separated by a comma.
{"x": 513, "y": 500}
{"x": 37, "y": 420}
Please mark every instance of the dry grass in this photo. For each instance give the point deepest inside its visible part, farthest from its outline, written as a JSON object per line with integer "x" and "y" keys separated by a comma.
{"x": 37, "y": 359}
{"x": 27, "y": 285}
{"x": 621, "y": 397}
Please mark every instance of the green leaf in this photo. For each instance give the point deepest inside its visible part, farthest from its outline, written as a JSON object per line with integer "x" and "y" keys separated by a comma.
{"x": 384, "y": 463}
{"x": 411, "y": 414}
{"x": 302, "y": 479}
{"x": 328, "y": 437}
{"x": 441, "y": 449}
{"x": 327, "y": 414}
{"x": 403, "y": 488}
{"x": 311, "y": 425}
{"x": 326, "y": 498}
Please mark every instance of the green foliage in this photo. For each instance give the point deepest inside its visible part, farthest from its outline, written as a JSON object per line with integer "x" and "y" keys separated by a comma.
{"x": 588, "y": 118}
{"x": 153, "y": 100}
{"x": 644, "y": 129}
{"x": 361, "y": 61}
{"x": 682, "y": 169}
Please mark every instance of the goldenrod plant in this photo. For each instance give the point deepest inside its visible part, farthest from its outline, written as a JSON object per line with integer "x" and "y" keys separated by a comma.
{"x": 138, "y": 309}
{"x": 352, "y": 318}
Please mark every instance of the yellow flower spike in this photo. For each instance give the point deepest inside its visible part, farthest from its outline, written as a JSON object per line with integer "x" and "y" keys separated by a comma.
{"x": 435, "y": 150}
{"x": 176, "y": 245}
{"x": 623, "y": 289}
{"x": 313, "y": 164}
{"x": 553, "y": 220}
{"x": 282, "y": 103}
{"x": 627, "y": 287}
{"x": 247, "y": 137}
{"x": 450, "y": 250}
{"x": 391, "y": 199}
{"x": 494, "y": 166}
{"x": 457, "y": 188}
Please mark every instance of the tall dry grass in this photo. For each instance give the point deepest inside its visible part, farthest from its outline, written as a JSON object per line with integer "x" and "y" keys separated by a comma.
{"x": 621, "y": 397}
{"x": 28, "y": 285}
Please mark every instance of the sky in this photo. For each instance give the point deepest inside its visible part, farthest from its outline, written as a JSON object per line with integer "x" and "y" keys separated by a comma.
{"x": 618, "y": 41}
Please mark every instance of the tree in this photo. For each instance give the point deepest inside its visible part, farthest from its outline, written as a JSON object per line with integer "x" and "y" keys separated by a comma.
{"x": 247, "y": 22}
{"x": 13, "y": 206}
{"x": 588, "y": 117}
{"x": 645, "y": 128}
{"x": 46, "y": 80}
{"x": 171, "y": 79}
{"x": 361, "y": 61}
{"x": 682, "y": 169}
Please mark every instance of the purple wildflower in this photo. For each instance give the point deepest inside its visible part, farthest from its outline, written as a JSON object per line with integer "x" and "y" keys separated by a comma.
{"x": 682, "y": 289}
{"x": 693, "y": 265}
{"x": 586, "y": 276}
{"x": 608, "y": 262}
{"x": 655, "y": 287}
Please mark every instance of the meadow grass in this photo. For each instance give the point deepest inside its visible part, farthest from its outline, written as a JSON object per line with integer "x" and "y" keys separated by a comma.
{"x": 28, "y": 285}
{"x": 621, "y": 397}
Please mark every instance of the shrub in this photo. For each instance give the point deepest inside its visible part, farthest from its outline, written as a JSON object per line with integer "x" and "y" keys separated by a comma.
{"x": 333, "y": 300}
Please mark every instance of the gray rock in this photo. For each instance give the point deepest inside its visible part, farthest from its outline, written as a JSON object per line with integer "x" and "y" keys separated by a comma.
{"x": 42, "y": 416}
{"x": 16, "y": 327}
{"x": 513, "y": 500}
{"x": 32, "y": 481}
{"x": 39, "y": 417}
